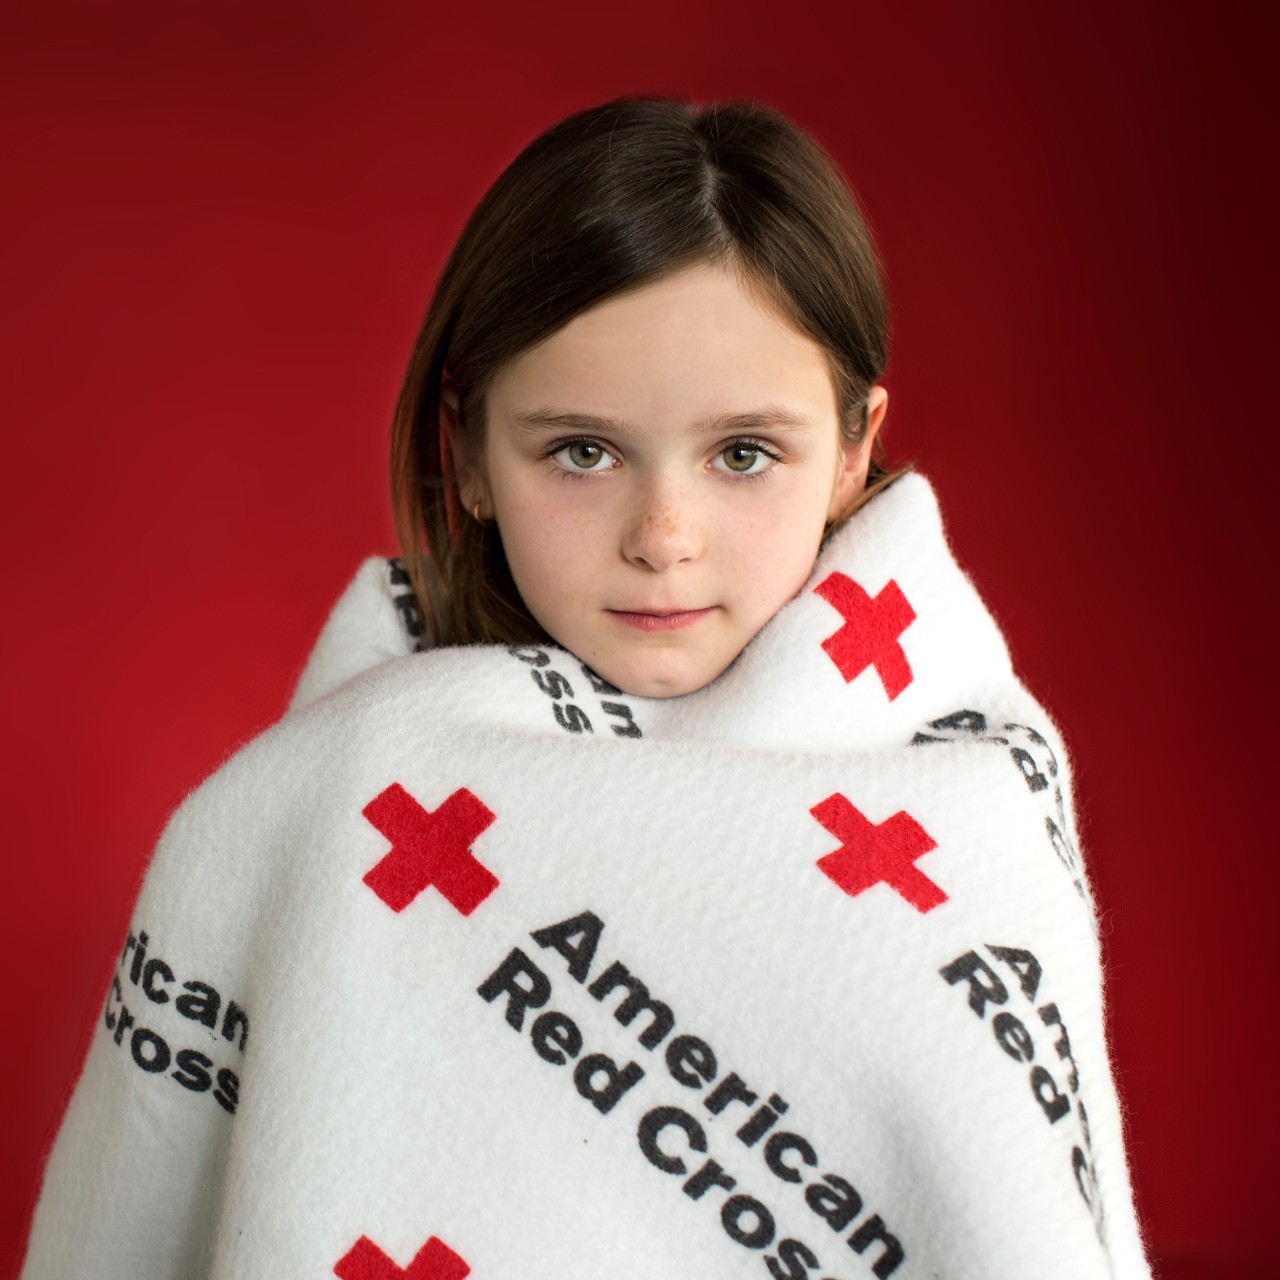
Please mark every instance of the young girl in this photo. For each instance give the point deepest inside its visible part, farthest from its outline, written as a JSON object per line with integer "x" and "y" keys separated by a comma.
{"x": 661, "y": 871}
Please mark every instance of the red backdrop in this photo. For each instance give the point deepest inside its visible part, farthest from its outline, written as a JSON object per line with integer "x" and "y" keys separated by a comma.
{"x": 222, "y": 228}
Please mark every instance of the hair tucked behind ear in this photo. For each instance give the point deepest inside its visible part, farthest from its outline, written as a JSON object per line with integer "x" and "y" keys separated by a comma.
{"x": 607, "y": 200}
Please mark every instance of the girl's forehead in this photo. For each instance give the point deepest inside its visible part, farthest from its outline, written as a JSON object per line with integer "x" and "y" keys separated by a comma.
{"x": 698, "y": 340}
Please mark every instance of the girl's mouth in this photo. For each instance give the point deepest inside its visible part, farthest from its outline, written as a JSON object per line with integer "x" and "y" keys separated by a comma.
{"x": 673, "y": 621}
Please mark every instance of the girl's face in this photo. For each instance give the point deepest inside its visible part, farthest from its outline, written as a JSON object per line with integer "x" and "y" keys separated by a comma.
{"x": 660, "y": 471}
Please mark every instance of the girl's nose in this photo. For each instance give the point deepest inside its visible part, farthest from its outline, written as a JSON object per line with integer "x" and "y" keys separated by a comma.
{"x": 662, "y": 532}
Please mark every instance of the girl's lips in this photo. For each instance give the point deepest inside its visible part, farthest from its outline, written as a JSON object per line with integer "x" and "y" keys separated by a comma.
{"x": 660, "y": 621}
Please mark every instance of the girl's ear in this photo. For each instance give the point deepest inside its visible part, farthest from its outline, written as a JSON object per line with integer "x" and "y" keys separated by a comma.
{"x": 459, "y": 456}
{"x": 851, "y": 478}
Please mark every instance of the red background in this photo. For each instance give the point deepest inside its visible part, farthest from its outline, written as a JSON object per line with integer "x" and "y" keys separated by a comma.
{"x": 222, "y": 228}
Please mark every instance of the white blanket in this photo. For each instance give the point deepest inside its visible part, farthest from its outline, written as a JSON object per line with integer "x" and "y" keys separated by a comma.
{"x": 474, "y": 965}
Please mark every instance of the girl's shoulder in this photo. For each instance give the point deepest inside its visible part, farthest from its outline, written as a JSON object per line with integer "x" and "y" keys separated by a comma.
{"x": 375, "y": 619}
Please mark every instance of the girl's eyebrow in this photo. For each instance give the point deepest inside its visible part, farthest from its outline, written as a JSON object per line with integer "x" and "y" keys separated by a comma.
{"x": 531, "y": 420}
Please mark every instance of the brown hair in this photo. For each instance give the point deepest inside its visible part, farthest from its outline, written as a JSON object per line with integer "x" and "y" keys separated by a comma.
{"x": 607, "y": 200}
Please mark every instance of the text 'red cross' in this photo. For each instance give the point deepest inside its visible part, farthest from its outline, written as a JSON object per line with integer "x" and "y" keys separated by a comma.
{"x": 429, "y": 849}
{"x": 871, "y": 852}
{"x": 434, "y": 1261}
{"x": 870, "y": 633}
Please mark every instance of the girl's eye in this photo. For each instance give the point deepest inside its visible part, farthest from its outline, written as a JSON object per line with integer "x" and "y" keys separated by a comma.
{"x": 743, "y": 457}
{"x": 583, "y": 455}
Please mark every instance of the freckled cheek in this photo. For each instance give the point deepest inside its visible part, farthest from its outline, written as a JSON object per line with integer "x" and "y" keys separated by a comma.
{"x": 529, "y": 512}
{"x": 787, "y": 529}
{"x": 554, "y": 526}
{"x": 771, "y": 561}
{"x": 552, "y": 552}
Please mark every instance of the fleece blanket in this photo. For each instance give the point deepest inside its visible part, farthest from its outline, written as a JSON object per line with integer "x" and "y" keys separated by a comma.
{"x": 474, "y": 965}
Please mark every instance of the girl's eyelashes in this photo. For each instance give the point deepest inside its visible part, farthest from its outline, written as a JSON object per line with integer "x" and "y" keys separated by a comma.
{"x": 750, "y": 459}
{"x": 580, "y": 456}
{"x": 745, "y": 458}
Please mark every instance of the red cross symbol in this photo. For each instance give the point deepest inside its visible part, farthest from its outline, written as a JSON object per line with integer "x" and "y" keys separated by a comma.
{"x": 434, "y": 1261}
{"x": 430, "y": 849}
{"x": 873, "y": 852}
{"x": 870, "y": 633}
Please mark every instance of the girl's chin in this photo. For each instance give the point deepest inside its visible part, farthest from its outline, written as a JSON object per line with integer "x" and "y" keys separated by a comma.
{"x": 661, "y": 675}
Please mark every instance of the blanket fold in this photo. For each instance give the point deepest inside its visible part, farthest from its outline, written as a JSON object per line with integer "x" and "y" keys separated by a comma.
{"x": 475, "y": 965}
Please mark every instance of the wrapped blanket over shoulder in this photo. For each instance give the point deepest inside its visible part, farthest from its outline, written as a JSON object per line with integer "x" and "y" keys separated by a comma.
{"x": 474, "y": 965}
